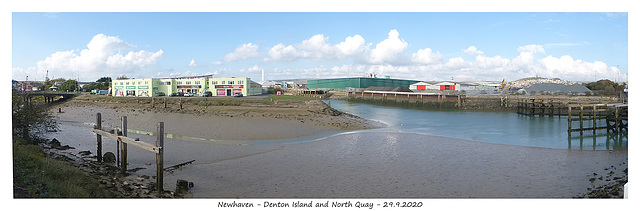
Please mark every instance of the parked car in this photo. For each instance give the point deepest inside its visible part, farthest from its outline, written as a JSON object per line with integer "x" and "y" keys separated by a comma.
{"x": 188, "y": 94}
{"x": 159, "y": 94}
{"x": 237, "y": 95}
{"x": 177, "y": 94}
{"x": 207, "y": 94}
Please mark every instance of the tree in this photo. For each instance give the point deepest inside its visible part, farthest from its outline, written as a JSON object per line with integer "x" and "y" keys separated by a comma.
{"x": 29, "y": 118}
{"x": 91, "y": 86}
{"x": 103, "y": 83}
{"x": 606, "y": 87}
{"x": 68, "y": 85}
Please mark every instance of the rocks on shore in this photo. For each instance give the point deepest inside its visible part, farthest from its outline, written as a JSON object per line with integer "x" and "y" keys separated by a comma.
{"x": 614, "y": 188}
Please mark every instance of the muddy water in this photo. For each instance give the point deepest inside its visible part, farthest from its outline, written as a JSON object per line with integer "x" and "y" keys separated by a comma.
{"x": 395, "y": 162}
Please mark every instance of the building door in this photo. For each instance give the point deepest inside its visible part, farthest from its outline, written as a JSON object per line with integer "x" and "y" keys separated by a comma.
{"x": 228, "y": 92}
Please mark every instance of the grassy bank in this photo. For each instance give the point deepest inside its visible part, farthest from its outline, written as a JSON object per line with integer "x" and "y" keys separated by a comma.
{"x": 37, "y": 176}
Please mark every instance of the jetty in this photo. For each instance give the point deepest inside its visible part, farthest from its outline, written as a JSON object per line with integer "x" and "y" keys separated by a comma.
{"x": 612, "y": 117}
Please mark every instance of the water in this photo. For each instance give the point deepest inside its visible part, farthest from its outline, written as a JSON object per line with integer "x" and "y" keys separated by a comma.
{"x": 419, "y": 155}
{"x": 492, "y": 127}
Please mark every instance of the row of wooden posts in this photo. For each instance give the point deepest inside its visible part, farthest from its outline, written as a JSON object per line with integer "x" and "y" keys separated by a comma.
{"x": 614, "y": 114}
{"x": 123, "y": 141}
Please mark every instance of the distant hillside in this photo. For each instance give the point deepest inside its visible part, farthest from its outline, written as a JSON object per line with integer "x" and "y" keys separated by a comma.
{"x": 527, "y": 82}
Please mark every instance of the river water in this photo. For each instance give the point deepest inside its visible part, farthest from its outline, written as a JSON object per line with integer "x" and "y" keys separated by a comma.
{"x": 421, "y": 154}
{"x": 492, "y": 127}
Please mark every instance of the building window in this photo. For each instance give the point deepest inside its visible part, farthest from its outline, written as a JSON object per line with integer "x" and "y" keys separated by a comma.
{"x": 215, "y": 82}
{"x": 197, "y": 82}
{"x": 240, "y": 82}
{"x": 139, "y": 82}
{"x": 127, "y": 83}
{"x": 179, "y": 82}
{"x": 188, "y": 82}
{"x": 230, "y": 82}
{"x": 222, "y": 82}
{"x": 120, "y": 83}
{"x": 146, "y": 82}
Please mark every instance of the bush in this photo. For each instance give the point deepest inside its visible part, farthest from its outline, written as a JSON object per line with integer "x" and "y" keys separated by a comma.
{"x": 29, "y": 118}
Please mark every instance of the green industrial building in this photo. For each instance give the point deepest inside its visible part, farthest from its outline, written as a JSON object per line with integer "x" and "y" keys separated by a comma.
{"x": 361, "y": 82}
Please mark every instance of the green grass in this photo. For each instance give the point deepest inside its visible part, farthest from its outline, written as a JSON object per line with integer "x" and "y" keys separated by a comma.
{"x": 38, "y": 176}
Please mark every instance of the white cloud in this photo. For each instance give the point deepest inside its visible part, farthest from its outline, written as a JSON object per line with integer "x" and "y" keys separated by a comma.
{"x": 255, "y": 68}
{"x": 531, "y": 49}
{"x": 389, "y": 50}
{"x": 353, "y": 46}
{"x": 193, "y": 63}
{"x": 102, "y": 57}
{"x": 472, "y": 50}
{"x": 280, "y": 52}
{"x": 316, "y": 48}
{"x": 243, "y": 51}
{"x": 426, "y": 56}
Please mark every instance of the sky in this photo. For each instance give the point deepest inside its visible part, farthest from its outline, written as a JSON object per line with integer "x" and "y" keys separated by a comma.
{"x": 426, "y": 46}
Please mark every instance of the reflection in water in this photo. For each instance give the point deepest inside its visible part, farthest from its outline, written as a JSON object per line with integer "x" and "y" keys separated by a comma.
{"x": 493, "y": 127}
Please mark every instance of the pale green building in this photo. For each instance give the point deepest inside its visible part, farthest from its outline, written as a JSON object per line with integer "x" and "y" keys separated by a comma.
{"x": 196, "y": 85}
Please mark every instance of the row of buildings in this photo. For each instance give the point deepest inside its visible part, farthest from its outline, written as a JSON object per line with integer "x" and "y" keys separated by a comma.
{"x": 197, "y": 85}
{"x": 359, "y": 83}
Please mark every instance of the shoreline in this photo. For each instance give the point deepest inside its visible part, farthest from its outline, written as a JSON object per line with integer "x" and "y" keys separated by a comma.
{"x": 223, "y": 171}
{"x": 249, "y": 121}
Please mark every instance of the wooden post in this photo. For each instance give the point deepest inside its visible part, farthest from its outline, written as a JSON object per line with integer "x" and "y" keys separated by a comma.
{"x": 615, "y": 118}
{"x": 165, "y": 102}
{"x": 581, "y": 116}
{"x": 594, "y": 120}
{"x": 99, "y": 137}
{"x": 180, "y": 103}
{"x": 160, "y": 158}
{"x": 569, "y": 119}
{"x": 153, "y": 102}
{"x": 123, "y": 148}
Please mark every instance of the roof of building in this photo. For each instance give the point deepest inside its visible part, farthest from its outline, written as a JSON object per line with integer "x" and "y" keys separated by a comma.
{"x": 389, "y": 88}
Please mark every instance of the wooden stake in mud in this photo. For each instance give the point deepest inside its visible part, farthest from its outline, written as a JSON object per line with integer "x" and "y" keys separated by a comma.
{"x": 153, "y": 102}
{"x": 569, "y": 119}
{"x": 165, "y": 102}
{"x": 180, "y": 103}
{"x": 160, "y": 157}
{"x": 594, "y": 121}
{"x": 99, "y": 137}
{"x": 123, "y": 147}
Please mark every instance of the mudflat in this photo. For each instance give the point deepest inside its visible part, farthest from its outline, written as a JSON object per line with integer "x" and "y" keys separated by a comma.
{"x": 214, "y": 118}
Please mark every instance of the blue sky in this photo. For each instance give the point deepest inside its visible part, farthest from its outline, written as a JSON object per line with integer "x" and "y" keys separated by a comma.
{"x": 429, "y": 46}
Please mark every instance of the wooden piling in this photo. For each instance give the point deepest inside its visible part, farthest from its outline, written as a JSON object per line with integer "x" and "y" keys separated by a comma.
{"x": 581, "y": 117}
{"x": 123, "y": 148}
{"x": 180, "y": 103}
{"x": 99, "y": 137}
{"x": 594, "y": 120}
{"x": 160, "y": 157}
{"x": 165, "y": 102}
{"x": 569, "y": 120}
